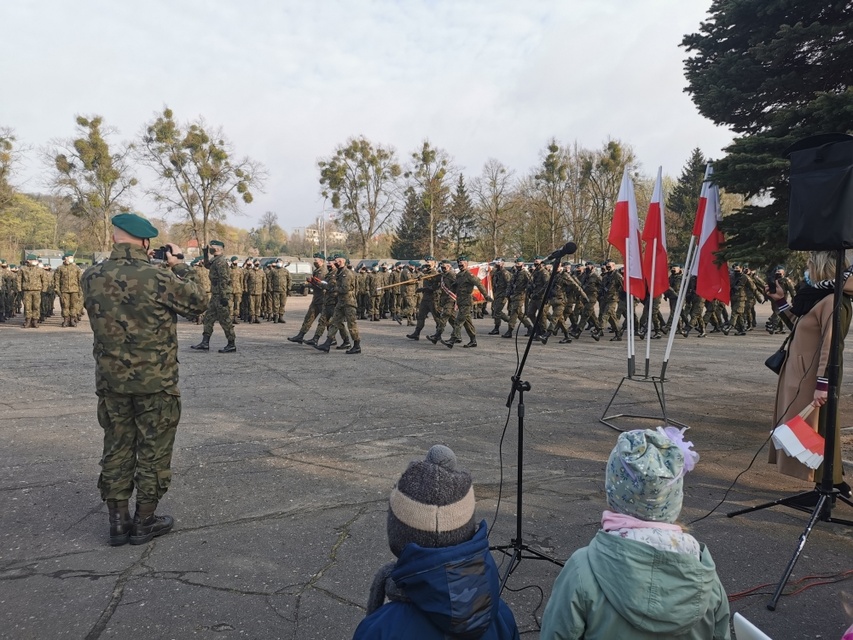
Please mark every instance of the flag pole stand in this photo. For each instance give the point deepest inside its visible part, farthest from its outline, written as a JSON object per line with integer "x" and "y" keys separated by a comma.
{"x": 658, "y": 384}
{"x": 820, "y": 500}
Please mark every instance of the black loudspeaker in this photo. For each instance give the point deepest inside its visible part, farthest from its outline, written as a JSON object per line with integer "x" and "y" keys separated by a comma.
{"x": 820, "y": 217}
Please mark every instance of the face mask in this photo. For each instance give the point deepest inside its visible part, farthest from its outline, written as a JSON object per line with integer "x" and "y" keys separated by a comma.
{"x": 807, "y": 278}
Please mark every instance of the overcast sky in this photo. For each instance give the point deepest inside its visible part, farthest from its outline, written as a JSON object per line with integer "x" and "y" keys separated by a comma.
{"x": 289, "y": 81}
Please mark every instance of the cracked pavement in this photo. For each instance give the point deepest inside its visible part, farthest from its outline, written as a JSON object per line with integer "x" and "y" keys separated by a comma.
{"x": 285, "y": 457}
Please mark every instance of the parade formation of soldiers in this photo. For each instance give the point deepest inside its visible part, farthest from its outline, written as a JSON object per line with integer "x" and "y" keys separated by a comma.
{"x": 584, "y": 299}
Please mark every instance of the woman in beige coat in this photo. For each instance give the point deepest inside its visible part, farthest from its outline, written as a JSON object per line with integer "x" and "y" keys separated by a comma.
{"x": 803, "y": 379}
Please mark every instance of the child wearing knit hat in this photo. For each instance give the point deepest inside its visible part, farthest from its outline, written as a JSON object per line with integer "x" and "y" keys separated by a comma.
{"x": 444, "y": 583}
{"x": 642, "y": 576}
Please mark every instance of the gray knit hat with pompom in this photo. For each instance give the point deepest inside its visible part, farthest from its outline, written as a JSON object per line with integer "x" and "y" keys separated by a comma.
{"x": 432, "y": 503}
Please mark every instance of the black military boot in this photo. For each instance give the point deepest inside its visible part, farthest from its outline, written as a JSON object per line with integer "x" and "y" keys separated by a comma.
{"x": 281, "y": 320}
{"x": 496, "y": 331}
{"x": 508, "y": 333}
{"x": 312, "y": 342}
{"x": 617, "y": 337}
{"x": 255, "y": 320}
{"x": 204, "y": 345}
{"x": 470, "y": 345}
{"x": 229, "y": 348}
{"x": 448, "y": 343}
{"x": 434, "y": 338}
{"x": 356, "y": 347}
{"x": 235, "y": 320}
{"x": 65, "y": 322}
{"x": 146, "y": 525}
{"x": 120, "y": 522}
{"x": 297, "y": 338}
{"x": 414, "y": 336}
{"x": 325, "y": 346}
{"x": 344, "y": 345}
{"x": 567, "y": 339}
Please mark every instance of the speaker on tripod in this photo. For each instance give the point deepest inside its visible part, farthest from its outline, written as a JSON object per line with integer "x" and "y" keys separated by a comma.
{"x": 820, "y": 218}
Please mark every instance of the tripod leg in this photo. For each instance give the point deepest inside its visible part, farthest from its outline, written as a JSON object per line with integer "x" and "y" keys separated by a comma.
{"x": 802, "y": 543}
{"x": 514, "y": 561}
{"x": 790, "y": 501}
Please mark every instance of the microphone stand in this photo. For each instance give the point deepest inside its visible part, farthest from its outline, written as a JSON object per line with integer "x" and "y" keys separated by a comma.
{"x": 517, "y": 548}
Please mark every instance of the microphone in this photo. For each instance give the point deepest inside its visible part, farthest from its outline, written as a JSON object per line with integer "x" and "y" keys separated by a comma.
{"x": 566, "y": 250}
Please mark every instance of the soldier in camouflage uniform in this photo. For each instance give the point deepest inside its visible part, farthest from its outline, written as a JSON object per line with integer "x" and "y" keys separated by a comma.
{"x": 48, "y": 293}
{"x": 464, "y": 287}
{"x": 361, "y": 292}
{"x": 345, "y": 308}
{"x": 330, "y": 302}
{"x": 278, "y": 282}
{"x": 500, "y": 278}
{"x": 408, "y": 307}
{"x": 517, "y": 294}
{"x": 132, "y": 307}
{"x": 5, "y": 307}
{"x": 753, "y": 294}
{"x": 784, "y": 283}
{"x": 219, "y": 307}
{"x": 15, "y": 289}
{"x": 591, "y": 282}
{"x": 237, "y": 276}
{"x": 740, "y": 284}
{"x": 315, "y": 309}
{"x": 612, "y": 287}
{"x": 202, "y": 277}
{"x": 30, "y": 280}
{"x": 565, "y": 287}
{"x": 446, "y": 305}
{"x": 255, "y": 286}
{"x": 695, "y": 305}
{"x": 536, "y": 293}
{"x": 67, "y": 283}
{"x": 429, "y": 286}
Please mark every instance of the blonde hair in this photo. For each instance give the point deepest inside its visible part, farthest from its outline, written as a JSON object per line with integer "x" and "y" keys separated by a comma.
{"x": 821, "y": 265}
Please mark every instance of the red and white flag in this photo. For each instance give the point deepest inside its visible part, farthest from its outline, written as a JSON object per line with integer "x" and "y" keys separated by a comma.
{"x": 481, "y": 270}
{"x": 798, "y": 439}
{"x": 712, "y": 276}
{"x": 654, "y": 235}
{"x": 625, "y": 236}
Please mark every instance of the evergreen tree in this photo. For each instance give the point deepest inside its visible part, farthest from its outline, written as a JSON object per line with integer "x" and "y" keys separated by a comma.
{"x": 775, "y": 71}
{"x": 682, "y": 204}
{"x": 412, "y": 238}
{"x": 459, "y": 226}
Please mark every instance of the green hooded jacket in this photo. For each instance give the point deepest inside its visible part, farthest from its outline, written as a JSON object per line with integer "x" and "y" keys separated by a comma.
{"x": 619, "y": 588}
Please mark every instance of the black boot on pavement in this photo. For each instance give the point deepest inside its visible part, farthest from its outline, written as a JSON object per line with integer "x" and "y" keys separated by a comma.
{"x": 356, "y": 347}
{"x": 146, "y": 525}
{"x": 229, "y": 348}
{"x": 297, "y": 338}
{"x": 204, "y": 345}
{"x": 120, "y": 522}
{"x": 325, "y": 346}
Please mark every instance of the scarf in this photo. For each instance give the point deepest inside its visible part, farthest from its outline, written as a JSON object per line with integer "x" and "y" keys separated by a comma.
{"x": 806, "y": 298}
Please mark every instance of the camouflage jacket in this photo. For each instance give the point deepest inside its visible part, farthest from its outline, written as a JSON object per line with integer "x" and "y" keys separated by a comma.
{"x": 591, "y": 284}
{"x": 133, "y": 307}
{"x": 518, "y": 284}
{"x": 278, "y": 280}
{"x": 237, "y": 275}
{"x": 345, "y": 285}
{"x": 539, "y": 283}
{"x": 255, "y": 282}
{"x": 202, "y": 277}
{"x": 30, "y": 278}
{"x": 67, "y": 277}
{"x": 500, "y": 282}
{"x": 220, "y": 279}
{"x": 317, "y": 292}
{"x": 466, "y": 282}
{"x": 447, "y": 288}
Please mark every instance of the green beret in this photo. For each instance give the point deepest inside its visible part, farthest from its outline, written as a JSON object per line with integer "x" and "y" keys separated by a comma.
{"x": 429, "y": 258}
{"x": 462, "y": 259}
{"x": 234, "y": 259}
{"x": 320, "y": 255}
{"x": 413, "y": 263}
{"x": 2, "y": 262}
{"x": 217, "y": 243}
{"x": 135, "y": 225}
{"x": 519, "y": 258}
{"x": 32, "y": 256}
{"x": 539, "y": 258}
{"x": 445, "y": 262}
{"x": 68, "y": 254}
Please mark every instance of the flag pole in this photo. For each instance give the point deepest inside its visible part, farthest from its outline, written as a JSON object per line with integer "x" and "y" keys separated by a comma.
{"x": 649, "y": 307}
{"x": 679, "y": 303}
{"x": 630, "y": 305}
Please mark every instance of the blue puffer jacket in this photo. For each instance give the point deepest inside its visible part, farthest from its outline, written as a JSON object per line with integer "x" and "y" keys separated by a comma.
{"x": 453, "y": 592}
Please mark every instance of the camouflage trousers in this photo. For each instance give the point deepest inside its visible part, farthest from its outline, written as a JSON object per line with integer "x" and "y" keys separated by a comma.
{"x": 463, "y": 319}
{"x": 445, "y": 313}
{"x": 32, "y": 304}
{"x": 315, "y": 310}
{"x": 139, "y": 434}
{"x": 69, "y": 302}
{"x": 516, "y": 313}
{"x": 498, "y": 310}
{"x": 427, "y": 305}
{"x": 738, "y": 320}
{"x": 343, "y": 314}
{"x": 610, "y": 313}
{"x": 254, "y": 304}
{"x": 219, "y": 311}
{"x": 588, "y": 315}
{"x": 558, "y": 317}
{"x": 236, "y": 298}
{"x": 408, "y": 308}
{"x": 278, "y": 299}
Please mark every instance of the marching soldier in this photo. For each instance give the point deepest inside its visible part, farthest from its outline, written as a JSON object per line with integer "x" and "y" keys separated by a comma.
{"x": 783, "y": 282}
{"x": 537, "y": 289}
{"x": 565, "y": 287}
{"x": 517, "y": 294}
{"x": 429, "y": 286}
{"x": 315, "y": 309}
{"x": 408, "y": 306}
{"x": 219, "y": 307}
{"x": 500, "y": 285}
{"x": 330, "y": 302}
{"x": 466, "y": 282}
{"x": 591, "y": 282}
{"x": 446, "y": 306}
{"x": 345, "y": 308}
{"x": 740, "y": 284}
{"x": 613, "y": 287}
{"x": 278, "y": 282}
{"x": 696, "y": 304}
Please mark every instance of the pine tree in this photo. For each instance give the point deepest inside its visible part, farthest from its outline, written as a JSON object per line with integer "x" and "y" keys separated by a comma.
{"x": 459, "y": 226}
{"x": 682, "y": 204}
{"x": 775, "y": 71}
{"x": 412, "y": 238}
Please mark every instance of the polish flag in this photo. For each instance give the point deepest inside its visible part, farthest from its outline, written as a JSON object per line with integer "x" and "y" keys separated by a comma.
{"x": 481, "y": 270}
{"x": 703, "y": 202}
{"x": 712, "y": 278}
{"x": 625, "y": 236}
{"x": 654, "y": 235}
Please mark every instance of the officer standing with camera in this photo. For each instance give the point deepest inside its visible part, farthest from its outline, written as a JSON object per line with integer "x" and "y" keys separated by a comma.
{"x": 132, "y": 306}
{"x": 219, "y": 309}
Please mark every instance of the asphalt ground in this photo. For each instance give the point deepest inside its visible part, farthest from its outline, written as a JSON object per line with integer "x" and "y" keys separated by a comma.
{"x": 285, "y": 458}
